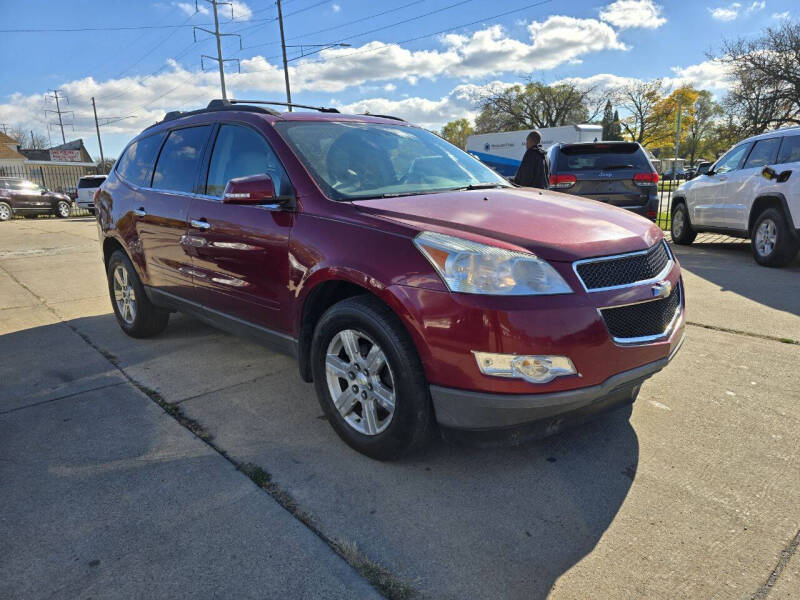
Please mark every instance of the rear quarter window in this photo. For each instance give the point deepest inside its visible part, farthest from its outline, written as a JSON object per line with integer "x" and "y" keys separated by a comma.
{"x": 90, "y": 182}
{"x": 594, "y": 157}
{"x": 763, "y": 153}
{"x": 136, "y": 164}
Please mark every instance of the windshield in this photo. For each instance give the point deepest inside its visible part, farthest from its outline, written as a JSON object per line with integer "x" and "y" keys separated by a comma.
{"x": 353, "y": 161}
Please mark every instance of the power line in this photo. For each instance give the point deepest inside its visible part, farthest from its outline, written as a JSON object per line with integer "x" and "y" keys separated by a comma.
{"x": 116, "y": 27}
{"x": 54, "y": 94}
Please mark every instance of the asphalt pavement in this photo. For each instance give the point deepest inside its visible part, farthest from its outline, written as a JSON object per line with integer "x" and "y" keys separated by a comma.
{"x": 109, "y": 495}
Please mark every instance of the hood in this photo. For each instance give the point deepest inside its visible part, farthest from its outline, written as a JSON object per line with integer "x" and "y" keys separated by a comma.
{"x": 553, "y": 226}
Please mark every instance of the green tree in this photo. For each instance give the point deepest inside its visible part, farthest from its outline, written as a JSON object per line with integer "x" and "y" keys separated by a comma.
{"x": 701, "y": 128}
{"x": 456, "y": 132}
{"x": 608, "y": 121}
{"x": 616, "y": 129}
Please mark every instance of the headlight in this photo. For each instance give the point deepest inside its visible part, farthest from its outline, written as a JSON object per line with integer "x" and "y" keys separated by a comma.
{"x": 473, "y": 268}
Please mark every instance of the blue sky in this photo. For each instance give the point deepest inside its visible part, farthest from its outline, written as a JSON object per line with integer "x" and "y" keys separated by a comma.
{"x": 402, "y": 62}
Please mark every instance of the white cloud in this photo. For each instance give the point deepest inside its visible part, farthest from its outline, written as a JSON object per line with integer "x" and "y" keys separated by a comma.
{"x": 390, "y": 87}
{"x": 240, "y": 10}
{"x": 601, "y": 81}
{"x": 728, "y": 13}
{"x": 781, "y": 16}
{"x": 189, "y": 8}
{"x": 336, "y": 8}
{"x": 625, "y": 14}
{"x": 710, "y": 75}
{"x": 757, "y": 5}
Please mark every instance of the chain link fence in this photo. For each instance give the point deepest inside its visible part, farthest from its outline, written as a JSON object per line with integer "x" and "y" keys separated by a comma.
{"x": 56, "y": 178}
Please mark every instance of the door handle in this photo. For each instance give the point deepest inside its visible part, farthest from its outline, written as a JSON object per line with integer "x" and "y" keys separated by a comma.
{"x": 140, "y": 212}
{"x": 200, "y": 224}
{"x": 723, "y": 179}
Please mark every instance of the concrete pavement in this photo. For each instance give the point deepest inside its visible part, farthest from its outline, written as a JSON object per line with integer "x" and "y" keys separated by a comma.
{"x": 695, "y": 496}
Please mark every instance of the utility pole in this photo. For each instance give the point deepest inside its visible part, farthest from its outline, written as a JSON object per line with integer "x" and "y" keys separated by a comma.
{"x": 677, "y": 141}
{"x": 54, "y": 95}
{"x": 285, "y": 62}
{"x": 99, "y": 142}
{"x": 216, "y": 33}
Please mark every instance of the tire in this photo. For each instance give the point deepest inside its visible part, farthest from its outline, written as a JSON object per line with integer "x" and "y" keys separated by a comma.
{"x": 63, "y": 209}
{"x": 772, "y": 242}
{"x": 680, "y": 226}
{"x": 6, "y": 212}
{"x": 380, "y": 432}
{"x": 136, "y": 315}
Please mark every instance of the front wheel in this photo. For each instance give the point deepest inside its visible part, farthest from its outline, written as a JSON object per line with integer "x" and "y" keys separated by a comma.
{"x": 369, "y": 379}
{"x": 773, "y": 244}
{"x": 62, "y": 209}
{"x": 681, "y": 227}
{"x": 136, "y": 315}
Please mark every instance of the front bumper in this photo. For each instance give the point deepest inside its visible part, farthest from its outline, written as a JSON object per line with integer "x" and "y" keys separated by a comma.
{"x": 481, "y": 411}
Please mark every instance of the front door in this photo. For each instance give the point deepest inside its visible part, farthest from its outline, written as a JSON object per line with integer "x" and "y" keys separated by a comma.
{"x": 240, "y": 253}
{"x": 162, "y": 220}
{"x": 743, "y": 183}
{"x": 726, "y": 167}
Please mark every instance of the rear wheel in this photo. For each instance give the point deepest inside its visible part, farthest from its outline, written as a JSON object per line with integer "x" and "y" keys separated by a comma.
{"x": 5, "y": 211}
{"x": 136, "y": 315}
{"x": 773, "y": 244}
{"x": 369, "y": 379}
{"x": 63, "y": 209}
{"x": 681, "y": 227}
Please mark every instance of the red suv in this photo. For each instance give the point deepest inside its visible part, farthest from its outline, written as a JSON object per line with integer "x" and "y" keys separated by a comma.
{"x": 416, "y": 287}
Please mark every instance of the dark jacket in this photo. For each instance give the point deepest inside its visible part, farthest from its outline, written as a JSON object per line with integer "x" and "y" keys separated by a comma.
{"x": 534, "y": 171}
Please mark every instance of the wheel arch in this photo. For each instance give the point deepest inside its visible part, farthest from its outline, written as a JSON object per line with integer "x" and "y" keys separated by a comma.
{"x": 326, "y": 292}
{"x": 765, "y": 201}
{"x": 677, "y": 200}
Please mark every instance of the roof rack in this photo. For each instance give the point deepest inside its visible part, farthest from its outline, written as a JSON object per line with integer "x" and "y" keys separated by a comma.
{"x": 319, "y": 108}
{"x": 213, "y": 106}
{"x": 383, "y": 117}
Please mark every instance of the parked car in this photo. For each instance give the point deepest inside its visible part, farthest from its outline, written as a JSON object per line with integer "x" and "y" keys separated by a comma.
{"x": 416, "y": 287}
{"x": 20, "y": 196}
{"x": 674, "y": 174}
{"x": 734, "y": 198}
{"x": 87, "y": 186}
{"x": 701, "y": 168}
{"x": 617, "y": 173}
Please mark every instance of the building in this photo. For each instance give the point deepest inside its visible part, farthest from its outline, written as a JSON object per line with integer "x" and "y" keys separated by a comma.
{"x": 57, "y": 168}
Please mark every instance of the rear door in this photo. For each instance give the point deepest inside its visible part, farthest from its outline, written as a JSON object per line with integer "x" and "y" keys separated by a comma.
{"x": 241, "y": 253}
{"x": 605, "y": 172}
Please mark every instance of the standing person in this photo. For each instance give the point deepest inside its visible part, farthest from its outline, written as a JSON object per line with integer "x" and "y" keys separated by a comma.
{"x": 534, "y": 171}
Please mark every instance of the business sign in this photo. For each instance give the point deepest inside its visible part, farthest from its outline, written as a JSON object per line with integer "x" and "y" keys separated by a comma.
{"x": 65, "y": 155}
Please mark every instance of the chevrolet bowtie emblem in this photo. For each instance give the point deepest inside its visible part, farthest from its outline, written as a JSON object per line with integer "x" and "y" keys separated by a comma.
{"x": 662, "y": 290}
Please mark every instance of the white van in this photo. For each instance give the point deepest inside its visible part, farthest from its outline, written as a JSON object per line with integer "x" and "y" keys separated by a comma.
{"x": 87, "y": 186}
{"x": 503, "y": 151}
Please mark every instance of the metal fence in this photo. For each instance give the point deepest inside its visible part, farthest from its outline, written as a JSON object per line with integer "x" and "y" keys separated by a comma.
{"x": 56, "y": 178}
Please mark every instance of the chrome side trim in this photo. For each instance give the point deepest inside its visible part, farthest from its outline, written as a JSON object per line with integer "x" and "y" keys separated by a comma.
{"x": 662, "y": 275}
{"x": 647, "y": 339}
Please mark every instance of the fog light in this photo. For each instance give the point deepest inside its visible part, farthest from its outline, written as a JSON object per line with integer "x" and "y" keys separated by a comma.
{"x": 532, "y": 368}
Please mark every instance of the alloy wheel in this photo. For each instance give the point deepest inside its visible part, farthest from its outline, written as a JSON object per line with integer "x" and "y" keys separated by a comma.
{"x": 678, "y": 223}
{"x": 766, "y": 237}
{"x": 5, "y": 213}
{"x": 63, "y": 209}
{"x": 360, "y": 382}
{"x": 124, "y": 295}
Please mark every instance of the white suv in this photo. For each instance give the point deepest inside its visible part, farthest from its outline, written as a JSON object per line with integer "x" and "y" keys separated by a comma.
{"x": 736, "y": 197}
{"x": 87, "y": 186}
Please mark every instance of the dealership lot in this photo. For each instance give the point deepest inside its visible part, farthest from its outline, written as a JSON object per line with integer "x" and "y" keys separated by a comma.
{"x": 695, "y": 496}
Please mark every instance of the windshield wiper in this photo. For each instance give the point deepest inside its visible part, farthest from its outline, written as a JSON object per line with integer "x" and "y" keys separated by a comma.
{"x": 483, "y": 186}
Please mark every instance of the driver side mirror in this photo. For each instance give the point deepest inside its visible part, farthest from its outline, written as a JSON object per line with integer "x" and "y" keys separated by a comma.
{"x": 252, "y": 190}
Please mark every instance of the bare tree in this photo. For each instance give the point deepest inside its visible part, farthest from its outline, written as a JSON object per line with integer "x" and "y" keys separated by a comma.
{"x": 704, "y": 112}
{"x": 766, "y": 79}
{"x": 641, "y": 101}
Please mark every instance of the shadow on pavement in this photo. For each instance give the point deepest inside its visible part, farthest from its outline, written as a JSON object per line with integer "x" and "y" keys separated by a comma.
{"x": 455, "y": 522}
{"x": 731, "y": 266}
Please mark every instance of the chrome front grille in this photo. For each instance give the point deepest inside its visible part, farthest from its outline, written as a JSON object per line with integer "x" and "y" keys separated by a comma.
{"x": 645, "y": 321}
{"x": 623, "y": 270}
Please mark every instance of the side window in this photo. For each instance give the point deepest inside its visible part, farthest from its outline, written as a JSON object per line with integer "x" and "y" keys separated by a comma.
{"x": 136, "y": 165}
{"x": 180, "y": 157}
{"x": 238, "y": 152}
{"x": 732, "y": 160}
{"x": 763, "y": 153}
{"x": 790, "y": 150}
